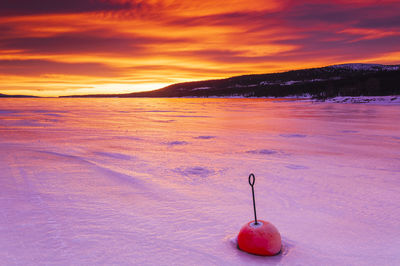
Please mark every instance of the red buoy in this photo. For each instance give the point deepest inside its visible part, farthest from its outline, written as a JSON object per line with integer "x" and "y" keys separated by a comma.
{"x": 261, "y": 239}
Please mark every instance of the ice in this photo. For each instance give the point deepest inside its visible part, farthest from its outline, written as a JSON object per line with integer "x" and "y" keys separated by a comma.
{"x": 108, "y": 181}
{"x": 113, "y": 155}
{"x": 262, "y": 151}
{"x": 204, "y": 137}
{"x": 293, "y": 135}
{"x": 195, "y": 171}
{"x": 296, "y": 167}
{"x": 177, "y": 142}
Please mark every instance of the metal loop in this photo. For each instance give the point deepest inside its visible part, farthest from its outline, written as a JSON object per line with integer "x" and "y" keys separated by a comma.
{"x": 251, "y": 182}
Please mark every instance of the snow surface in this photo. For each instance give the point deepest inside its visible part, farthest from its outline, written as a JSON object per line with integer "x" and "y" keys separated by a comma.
{"x": 201, "y": 88}
{"x": 382, "y": 100}
{"x": 291, "y": 82}
{"x": 369, "y": 67}
{"x": 165, "y": 181}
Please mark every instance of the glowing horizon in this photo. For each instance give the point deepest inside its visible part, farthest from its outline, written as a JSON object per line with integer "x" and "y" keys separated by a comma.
{"x": 52, "y": 48}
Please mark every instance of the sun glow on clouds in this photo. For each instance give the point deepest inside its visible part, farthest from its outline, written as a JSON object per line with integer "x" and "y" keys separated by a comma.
{"x": 53, "y": 48}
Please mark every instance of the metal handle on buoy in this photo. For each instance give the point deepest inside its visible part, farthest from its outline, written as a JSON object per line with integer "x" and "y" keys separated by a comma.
{"x": 251, "y": 182}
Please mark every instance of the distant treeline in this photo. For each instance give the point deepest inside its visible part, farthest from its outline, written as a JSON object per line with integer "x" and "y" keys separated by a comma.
{"x": 15, "y": 96}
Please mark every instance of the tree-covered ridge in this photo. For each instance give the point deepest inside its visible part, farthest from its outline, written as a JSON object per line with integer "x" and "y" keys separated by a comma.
{"x": 331, "y": 81}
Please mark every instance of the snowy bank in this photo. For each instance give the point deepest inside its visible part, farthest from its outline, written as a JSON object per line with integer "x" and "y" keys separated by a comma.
{"x": 391, "y": 100}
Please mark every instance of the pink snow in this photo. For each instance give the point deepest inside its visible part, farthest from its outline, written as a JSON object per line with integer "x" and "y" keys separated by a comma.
{"x": 164, "y": 181}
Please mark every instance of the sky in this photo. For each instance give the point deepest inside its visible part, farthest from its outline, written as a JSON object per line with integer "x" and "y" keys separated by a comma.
{"x": 66, "y": 47}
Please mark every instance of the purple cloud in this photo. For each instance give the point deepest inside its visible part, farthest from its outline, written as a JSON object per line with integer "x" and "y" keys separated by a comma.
{"x": 43, "y": 67}
{"x": 88, "y": 42}
{"x": 29, "y": 7}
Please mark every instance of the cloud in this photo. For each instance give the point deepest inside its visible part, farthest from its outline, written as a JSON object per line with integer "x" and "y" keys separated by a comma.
{"x": 392, "y": 21}
{"x": 46, "y": 67}
{"x": 100, "y": 41}
{"x": 28, "y": 7}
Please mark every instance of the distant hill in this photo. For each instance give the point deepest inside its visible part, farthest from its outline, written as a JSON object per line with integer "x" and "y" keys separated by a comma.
{"x": 16, "y": 96}
{"x": 325, "y": 82}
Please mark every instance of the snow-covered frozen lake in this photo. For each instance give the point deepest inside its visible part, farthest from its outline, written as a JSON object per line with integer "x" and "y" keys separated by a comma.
{"x": 164, "y": 181}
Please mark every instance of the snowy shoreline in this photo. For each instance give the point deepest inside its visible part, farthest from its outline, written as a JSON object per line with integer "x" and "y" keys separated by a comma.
{"x": 381, "y": 100}
{"x": 392, "y": 100}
